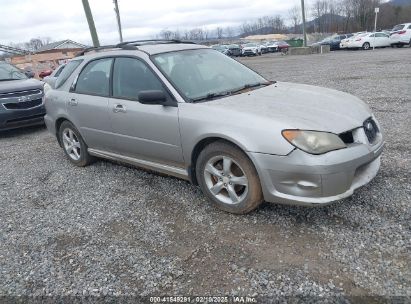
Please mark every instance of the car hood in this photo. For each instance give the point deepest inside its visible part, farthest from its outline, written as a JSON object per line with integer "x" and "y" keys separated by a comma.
{"x": 298, "y": 106}
{"x": 250, "y": 48}
{"x": 20, "y": 85}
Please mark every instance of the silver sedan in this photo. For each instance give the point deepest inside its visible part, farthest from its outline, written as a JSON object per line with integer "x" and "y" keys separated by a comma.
{"x": 189, "y": 111}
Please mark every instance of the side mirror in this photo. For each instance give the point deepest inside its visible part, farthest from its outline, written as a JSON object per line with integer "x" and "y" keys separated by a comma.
{"x": 153, "y": 97}
{"x": 29, "y": 74}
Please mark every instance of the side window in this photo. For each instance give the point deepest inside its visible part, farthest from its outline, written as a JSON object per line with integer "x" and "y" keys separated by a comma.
{"x": 94, "y": 78}
{"x": 409, "y": 27}
{"x": 59, "y": 71}
{"x": 65, "y": 74}
{"x": 131, "y": 76}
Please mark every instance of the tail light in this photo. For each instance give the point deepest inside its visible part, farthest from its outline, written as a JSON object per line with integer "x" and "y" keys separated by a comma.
{"x": 401, "y": 32}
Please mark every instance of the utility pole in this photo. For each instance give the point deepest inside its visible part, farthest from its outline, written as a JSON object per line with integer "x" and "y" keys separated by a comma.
{"x": 304, "y": 32}
{"x": 377, "y": 10}
{"x": 90, "y": 22}
{"x": 118, "y": 19}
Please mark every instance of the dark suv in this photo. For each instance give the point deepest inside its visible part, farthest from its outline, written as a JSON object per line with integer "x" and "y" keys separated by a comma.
{"x": 21, "y": 99}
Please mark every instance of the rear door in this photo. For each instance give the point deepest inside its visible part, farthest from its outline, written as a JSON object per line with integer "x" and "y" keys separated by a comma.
{"x": 87, "y": 104}
{"x": 143, "y": 131}
{"x": 381, "y": 40}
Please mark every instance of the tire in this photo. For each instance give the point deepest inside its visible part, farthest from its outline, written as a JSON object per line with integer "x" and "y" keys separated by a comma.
{"x": 366, "y": 46}
{"x": 236, "y": 186}
{"x": 400, "y": 45}
{"x": 73, "y": 145}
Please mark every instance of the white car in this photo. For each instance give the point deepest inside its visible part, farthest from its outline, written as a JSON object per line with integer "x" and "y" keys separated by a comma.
{"x": 401, "y": 35}
{"x": 251, "y": 49}
{"x": 345, "y": 42}
{"x": 370, "y": 40}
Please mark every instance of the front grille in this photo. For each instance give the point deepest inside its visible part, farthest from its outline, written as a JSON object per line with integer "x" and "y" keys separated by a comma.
{"x": 23, "y": 105}
{"x": 19, "y": 94}
{"x": 370, "y": 129}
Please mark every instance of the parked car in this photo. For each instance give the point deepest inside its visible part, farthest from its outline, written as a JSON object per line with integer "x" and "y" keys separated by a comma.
{"x": 263, "y": 48}
{"x": 45, "y": 73}
{"x": 251, "y": 49}
{"x": 334, "y": 41}
{"x": 234, "y": 50}
{"x": 28, "y": 72}
{"x": 189, "y": 111}
{"x": 21, "y": 99}
{"x": 401, "y": 35}
{"x": 221, "y": 48}
{"x": 51, "y": 79}
{"x": 281, "y": 46}
{"x": 370, "y": 40}
{"x": 345, "y": 42}
{"x": 272, "y": 46}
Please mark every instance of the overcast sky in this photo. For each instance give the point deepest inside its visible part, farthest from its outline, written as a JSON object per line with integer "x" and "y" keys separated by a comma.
{"x": 64, "y": 19}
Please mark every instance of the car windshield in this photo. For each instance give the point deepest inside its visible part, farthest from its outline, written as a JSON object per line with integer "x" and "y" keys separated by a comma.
{"x": 398, "y": 27}
{"x": 9, "y": 72}
{"x": 251, "y": 44}
{"x": 205, "y": 74}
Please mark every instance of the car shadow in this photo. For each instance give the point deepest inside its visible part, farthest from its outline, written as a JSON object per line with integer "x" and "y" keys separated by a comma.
{"x": 21, "y": 131}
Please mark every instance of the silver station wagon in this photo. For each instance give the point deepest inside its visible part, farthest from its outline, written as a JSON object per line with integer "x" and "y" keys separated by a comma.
{"x": 189, "y": 111}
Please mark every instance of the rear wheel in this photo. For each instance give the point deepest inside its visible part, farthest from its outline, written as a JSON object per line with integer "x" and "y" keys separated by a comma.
{"x": 228, "y": 178}
{"x": 366, "y": 46}
{"x": 74, "y": 145}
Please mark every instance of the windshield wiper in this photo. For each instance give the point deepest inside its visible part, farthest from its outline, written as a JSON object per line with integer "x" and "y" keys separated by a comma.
{"x": 250, "y": 85}
{"x": 9, "y": 79}
{"x": 210, "y": 96}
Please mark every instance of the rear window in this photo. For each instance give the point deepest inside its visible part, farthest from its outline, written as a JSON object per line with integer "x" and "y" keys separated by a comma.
{"x": 398, "y": 27}
{"x": 67, "y": 71}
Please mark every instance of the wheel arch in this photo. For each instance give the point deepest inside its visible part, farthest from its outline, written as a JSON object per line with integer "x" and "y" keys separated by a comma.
{"x": 57, "y": 125}
{"x": 201, "y": 144}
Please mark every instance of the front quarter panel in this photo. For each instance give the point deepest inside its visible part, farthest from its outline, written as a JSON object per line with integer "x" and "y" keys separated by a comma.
{"x": 251, "y": 133}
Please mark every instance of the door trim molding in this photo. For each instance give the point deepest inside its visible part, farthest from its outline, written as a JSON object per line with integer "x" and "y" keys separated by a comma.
{"x": 146, "y": 164}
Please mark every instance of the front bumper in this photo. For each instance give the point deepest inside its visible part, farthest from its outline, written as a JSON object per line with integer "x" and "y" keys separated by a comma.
{"x": 304, "y": 179}
{"x": 249, "y": 52}
{"x": 12, "y": 119}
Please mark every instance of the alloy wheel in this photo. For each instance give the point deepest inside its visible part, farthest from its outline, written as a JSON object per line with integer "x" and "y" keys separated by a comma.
{"x": 71, "y": 144}
{"x": 226, "y": 180}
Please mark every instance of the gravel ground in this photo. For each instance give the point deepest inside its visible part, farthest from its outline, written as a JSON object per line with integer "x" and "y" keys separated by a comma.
{"x": 109, "y": 229}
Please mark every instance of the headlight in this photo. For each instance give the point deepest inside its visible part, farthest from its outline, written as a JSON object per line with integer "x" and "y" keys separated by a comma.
{"x": 313, "y": 142}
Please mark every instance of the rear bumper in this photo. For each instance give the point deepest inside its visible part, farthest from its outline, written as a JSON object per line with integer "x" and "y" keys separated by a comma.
{"x": 304, "y": 179}
{"x": 21, "y": 118}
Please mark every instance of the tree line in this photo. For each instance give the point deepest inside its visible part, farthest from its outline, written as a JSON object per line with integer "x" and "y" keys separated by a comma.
{"x": 324, "y": 16}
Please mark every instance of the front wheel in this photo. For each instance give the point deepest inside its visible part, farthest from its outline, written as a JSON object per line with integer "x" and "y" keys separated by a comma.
{"x": 366, "y": 46}
{"x": 74, "y": 145}
{"x": 228, "y": 178}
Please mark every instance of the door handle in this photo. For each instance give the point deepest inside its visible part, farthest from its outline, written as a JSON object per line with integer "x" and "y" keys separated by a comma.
{"x": 73, "y": 102}
{"x": 119, "y": 108}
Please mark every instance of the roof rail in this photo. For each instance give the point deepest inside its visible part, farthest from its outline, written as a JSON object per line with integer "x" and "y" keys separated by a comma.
{"x": 153, "y": 41}
{"x": 95, "y": 48}
{"x": 131, "y": 45}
